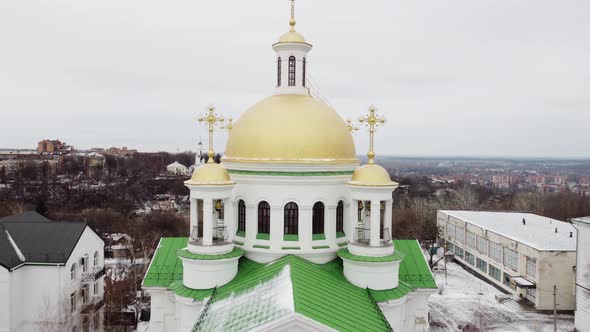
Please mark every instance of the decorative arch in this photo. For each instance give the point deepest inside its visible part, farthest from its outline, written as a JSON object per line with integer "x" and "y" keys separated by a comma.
{"x": 264, "y": 217}
{"x": 292, "y": 70}
{"x": 241, "y": 216}
{"x": 291, "y": 218}
{"x": 340, "y": 217}
{"x": 96, "y": 259}
{"x": 318, "y": 218}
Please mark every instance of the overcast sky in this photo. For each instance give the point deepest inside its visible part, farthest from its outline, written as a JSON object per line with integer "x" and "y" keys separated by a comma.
{"x": 463, "y": 77}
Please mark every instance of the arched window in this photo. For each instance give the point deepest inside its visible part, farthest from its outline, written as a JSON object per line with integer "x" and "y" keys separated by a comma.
{"x": 264, "y": 217}
{"x": 241, "y": 216}
{"x": 291, "y": 218}
{"x": 291, "y": 71}
{"x": 303, "y": 76}
{"x": 96, "y": 258}
{"x": 279, "y": 72}
{"x": 73, "y": 271}
{"x": 318, "y": 218}
{"x": 340, "y": 217}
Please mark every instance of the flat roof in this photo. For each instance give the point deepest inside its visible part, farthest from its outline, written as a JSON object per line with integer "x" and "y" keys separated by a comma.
{"x": 538, "y": 233}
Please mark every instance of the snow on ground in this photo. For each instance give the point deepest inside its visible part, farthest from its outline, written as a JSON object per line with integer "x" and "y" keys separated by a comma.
{"x": 468, "y": 300}
{"x": 143, "y": 326}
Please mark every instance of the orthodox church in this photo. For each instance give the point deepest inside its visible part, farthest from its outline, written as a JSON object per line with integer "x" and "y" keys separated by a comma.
{"x": 289, "y": 232}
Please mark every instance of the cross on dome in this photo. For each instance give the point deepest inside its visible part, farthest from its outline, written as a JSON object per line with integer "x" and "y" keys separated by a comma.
{"x": 371, "y": 120}
{"x": 211, "y": 120}
{"x": 351, "y": 127}
{"x": 292, "y": 20}
{"x": 229, "y": 126}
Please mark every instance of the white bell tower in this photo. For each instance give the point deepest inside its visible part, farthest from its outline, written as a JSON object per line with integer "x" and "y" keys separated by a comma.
{"x": 291, "y": 60}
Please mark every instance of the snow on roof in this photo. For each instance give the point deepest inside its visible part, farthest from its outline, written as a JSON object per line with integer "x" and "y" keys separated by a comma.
{"x": 585, "y": 220}
{"x": 176, "y": 164}
{"x": 538, "y": 232}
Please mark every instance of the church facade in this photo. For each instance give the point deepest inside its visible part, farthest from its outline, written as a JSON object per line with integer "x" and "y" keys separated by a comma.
{"x": 289, "y": 232}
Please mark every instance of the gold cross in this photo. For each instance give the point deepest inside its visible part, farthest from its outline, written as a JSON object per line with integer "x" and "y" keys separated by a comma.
{"x": 371, "y": 120}
{"x": 229, "y": 126}
{"x": 292, "y": 20}
{"x": 351, "y": 127}
{"x": 211, "y": 120}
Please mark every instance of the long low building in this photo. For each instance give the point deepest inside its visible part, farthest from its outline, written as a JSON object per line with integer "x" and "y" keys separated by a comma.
{"x": 521, "y": 253}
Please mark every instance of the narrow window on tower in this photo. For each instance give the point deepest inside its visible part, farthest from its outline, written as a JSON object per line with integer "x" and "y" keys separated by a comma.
{"x": 303, "y": 77}
{"x": 291, "y": 71}
{"x": 291, "y": 218}
{"x": 241, "y": 216}
{"x": 279, "y": 72}
{"x": 263, "y": 218}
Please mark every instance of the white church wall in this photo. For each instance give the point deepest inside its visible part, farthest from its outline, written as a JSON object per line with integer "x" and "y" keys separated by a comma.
{"x": 4, "y": 299}
{"x": 395, "y": 313}
{"x": 582, "y": 314}
{"x": 305, "y": 192}
{"x": 163, "y": 310}
{"x": 187, "y": 312}
{"x": 374, "y": 275}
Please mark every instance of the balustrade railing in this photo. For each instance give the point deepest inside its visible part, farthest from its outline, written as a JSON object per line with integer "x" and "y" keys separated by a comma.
{"x": 362, "y": 235}
{"x": 92, "y": 275}
{"x": 219, "y": 234}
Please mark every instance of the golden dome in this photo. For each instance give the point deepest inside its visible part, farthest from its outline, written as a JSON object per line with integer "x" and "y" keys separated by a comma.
{"x": 292, "y": 37}
{"x": 290, "y": 128}
{"x": 210, "y": 174}
{"x": 371, "y": 175}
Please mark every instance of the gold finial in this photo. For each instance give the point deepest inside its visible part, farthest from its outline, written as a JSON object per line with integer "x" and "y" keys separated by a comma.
{"x": 229, "y": 126}
{"x": 292, "y": 20}
{"x": 211, "y": 120}
{"x": 351, "y": 127}
{"x": 372, "y": 121}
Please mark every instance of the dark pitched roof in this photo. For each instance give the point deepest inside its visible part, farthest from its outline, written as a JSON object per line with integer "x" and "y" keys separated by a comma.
{"x": 36, "y": 238}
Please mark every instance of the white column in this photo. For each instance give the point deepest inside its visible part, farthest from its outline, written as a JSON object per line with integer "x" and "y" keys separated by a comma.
{"x": 330, "y": 223}
{"x": 375, "y": 221}
{"x": 305, "y": 227}
{"x": 353, "y": 220}
{"x": 251, "y": 223}
{"x": 227, "y": 219}
{"x": 194, "y": 217}
{"x": 207, "y": 222}
{"x": 276, "y": 227}
{"x": 388, "y": 222}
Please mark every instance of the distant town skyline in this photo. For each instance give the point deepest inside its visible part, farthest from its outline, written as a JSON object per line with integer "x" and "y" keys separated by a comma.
{"x": 459, "y": 78}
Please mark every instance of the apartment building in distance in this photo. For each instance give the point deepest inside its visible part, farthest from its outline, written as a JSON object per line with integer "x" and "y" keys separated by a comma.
{"x": 521, "y": 253}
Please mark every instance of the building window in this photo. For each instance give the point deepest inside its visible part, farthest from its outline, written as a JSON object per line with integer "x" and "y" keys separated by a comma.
{"x": 264, "y": 217}
{"x": 482, "y": 265}
{"x": 291, "y": 218}
{"x": 458, "y": 251}
{"x": 531, "y": 294}
{"x": 291, "y": 71}
{"x": 495, "y": 273}
{"x": 318, "y": 218}
{"x": 531, "y": 267}
{"x": 73, "y": 301}
{"x": 470, "y": 240}
{"x": 95, "y": 288}
{"x": 451, "y": 231}
{"x": 241, "y": 216}
{"x": 511, "y": 259}
{"x": 496, "y": 251}
{"x": 97, "y": 321}
{"x": 469, "y": 258}
{"x": 96, "y": 258}
{"x": 482, "y": 245}
{"x": 84, "y": 263}
{"x": 507, "y": 282}
{"x": 303, "y": 76}
{"x": 73, "y": 271}
{"x": 84, "y": 294}
{"x": 279, "y": 72}
{"x": 340, "y": 217}
{"x": 459, "y": 234}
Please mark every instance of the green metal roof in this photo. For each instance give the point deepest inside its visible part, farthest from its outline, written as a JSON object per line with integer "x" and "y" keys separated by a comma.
{"x": 320, "y": 291}
{"x": 165, "y": 267}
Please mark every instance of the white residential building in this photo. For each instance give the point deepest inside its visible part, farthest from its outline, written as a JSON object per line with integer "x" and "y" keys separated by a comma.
{"x": 177, "y": 168}
{"x": 520, "y": 253}
{"x": 51, "y": 275}
{"x": 582, "y": 320}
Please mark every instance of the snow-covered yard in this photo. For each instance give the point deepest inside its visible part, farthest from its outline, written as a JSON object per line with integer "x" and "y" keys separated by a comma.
{"x": 468, "y": 301}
